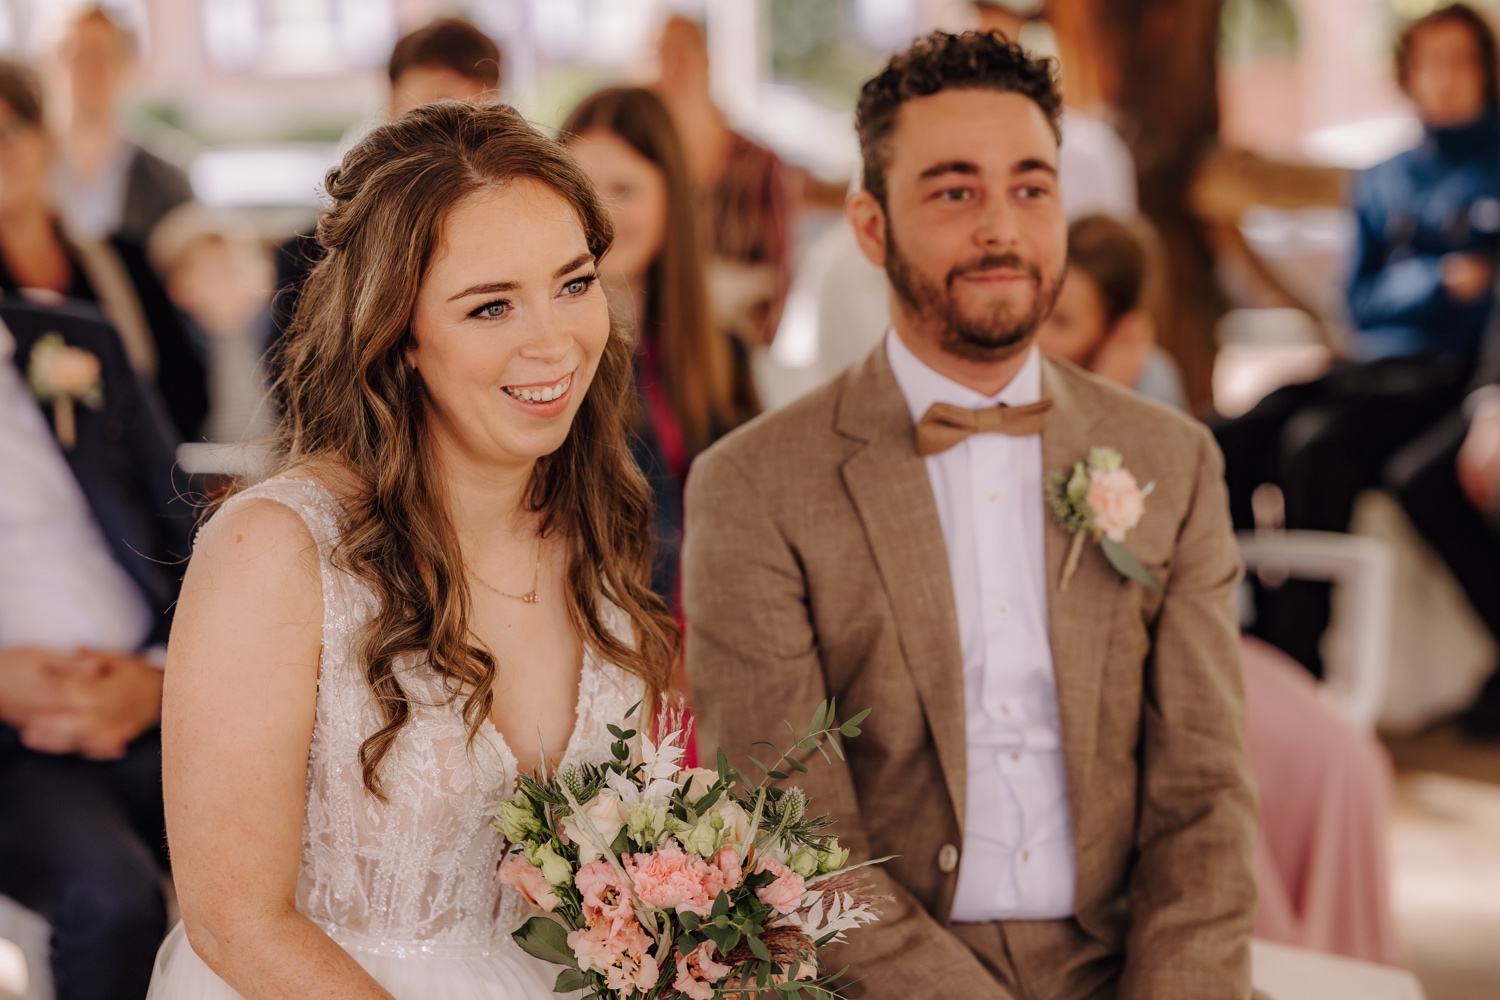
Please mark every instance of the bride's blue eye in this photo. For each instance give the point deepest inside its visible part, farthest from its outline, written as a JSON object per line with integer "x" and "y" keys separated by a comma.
{"x": 580, "y": 285}
{"x": 491, "y": 310}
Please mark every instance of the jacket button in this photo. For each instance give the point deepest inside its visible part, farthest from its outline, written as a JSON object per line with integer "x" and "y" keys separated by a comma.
{"x": 947, "y": 859}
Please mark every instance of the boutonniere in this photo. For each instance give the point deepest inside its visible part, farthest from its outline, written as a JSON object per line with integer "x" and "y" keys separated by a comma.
{"x": 63, "y": 376}
{"x": 1100, "y": 499}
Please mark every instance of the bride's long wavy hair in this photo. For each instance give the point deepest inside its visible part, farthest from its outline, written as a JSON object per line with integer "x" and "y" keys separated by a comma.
{"x": 349, "y": 396}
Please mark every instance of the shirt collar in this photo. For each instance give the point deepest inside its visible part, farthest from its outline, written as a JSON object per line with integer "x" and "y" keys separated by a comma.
{"x": 921, "y": 386}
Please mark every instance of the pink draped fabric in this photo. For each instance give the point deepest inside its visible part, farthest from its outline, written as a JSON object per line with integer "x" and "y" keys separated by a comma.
{"x": 1325, "y": 793}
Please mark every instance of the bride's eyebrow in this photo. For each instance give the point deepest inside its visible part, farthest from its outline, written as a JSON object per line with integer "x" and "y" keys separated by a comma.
{"x": 491, "y": 287}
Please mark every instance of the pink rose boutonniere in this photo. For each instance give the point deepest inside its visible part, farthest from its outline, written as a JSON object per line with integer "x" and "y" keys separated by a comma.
{"x": 64, "y": 375}
{"x": 1100, "y": 499}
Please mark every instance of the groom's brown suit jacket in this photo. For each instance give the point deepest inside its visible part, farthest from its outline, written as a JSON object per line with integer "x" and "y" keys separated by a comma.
{"x": 815, "y": 567}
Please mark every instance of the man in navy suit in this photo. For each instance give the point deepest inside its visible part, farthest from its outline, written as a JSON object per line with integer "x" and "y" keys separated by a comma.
{"x": 93, "y": 531}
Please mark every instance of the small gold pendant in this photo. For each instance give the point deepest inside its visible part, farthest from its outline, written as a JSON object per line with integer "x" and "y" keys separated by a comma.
{"x": 532, "y": 598}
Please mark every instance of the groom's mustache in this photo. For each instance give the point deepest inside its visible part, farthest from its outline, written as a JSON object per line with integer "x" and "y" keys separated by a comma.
{"x": 994, "y": 262}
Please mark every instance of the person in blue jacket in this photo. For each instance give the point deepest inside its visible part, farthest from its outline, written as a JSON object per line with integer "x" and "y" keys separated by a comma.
{"x": 1419, "y": 295}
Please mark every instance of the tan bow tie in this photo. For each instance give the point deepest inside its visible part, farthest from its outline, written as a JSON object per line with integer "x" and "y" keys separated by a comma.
{"x": 945, "y": 425}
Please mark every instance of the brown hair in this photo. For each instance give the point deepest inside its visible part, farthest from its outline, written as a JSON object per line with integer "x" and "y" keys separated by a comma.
{"x": 696, "y": 362}
{"x": 350, "y": 397}
{"x": 974, "y": 60}
{"x": 449, "y": 43}
{"x": 21, "y": 89}
{"x": 1118, "y": 256}
{"x": 113, "y": 20}
{"x": 1484, "y": 39}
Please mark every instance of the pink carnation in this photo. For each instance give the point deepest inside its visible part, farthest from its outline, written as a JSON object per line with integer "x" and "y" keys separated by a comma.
{"x": 697, "y": 972}
{"x": 633, "y": 973}
{"x": 671, "y": 879}
{"x": 1117, "y": 502}
{"x": 528, "y": 879}
{"x": 73, "y": 371}
{"x": 785, "y": 894}
{"x": 606, "y": 945}
{"x": 604, "y": 895}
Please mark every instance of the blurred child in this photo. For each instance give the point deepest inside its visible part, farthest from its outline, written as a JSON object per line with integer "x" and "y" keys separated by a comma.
{"x": 1102, "y": 319}
{"x": 218, "y": 273}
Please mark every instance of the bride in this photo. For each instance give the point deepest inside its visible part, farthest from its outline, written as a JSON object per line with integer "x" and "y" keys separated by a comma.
{"x": 447, "y": 579}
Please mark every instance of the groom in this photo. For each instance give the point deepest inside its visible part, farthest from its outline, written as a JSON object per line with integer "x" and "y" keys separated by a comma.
{"x": 1055, "y": 759}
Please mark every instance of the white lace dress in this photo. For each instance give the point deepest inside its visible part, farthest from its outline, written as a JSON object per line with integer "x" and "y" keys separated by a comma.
{"x": 407, "y": 887}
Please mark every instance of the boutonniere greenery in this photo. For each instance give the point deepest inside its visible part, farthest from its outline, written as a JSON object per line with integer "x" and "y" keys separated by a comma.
{"x": 1100, "y": 499}
{"x": 64, "y": 376}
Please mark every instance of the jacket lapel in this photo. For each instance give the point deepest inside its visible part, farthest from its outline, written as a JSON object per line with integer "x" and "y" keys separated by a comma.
{"x": 1080, "y": 615}
{"x": 887, "y": 482}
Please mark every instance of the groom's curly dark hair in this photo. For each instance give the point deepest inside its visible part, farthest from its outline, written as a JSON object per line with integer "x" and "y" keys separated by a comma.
{"x": 973, "y": 60}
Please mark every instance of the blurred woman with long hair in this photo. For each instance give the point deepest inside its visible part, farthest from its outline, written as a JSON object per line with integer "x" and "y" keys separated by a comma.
{"x": 445, "y": 585}
{"x": 694, "y": 379}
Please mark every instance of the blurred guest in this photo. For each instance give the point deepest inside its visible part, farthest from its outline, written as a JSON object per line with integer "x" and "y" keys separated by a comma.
{"x": 445, "y": 60}
{"x": 219, "y": 274}
{"x": 1321, "y": 863}
{"x": 1102, "y": 318}
{"x": 92, "y": 530}
{"x": 743, "y": 189}
{"x": 694, "y": 380}
{"x": 108, "y": 185}
{"x": 1429, "y": 226}
{"x": 39, "y": 259}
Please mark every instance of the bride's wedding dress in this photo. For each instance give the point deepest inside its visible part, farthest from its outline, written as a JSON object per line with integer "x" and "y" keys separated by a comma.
{"x": 408, "y": 887}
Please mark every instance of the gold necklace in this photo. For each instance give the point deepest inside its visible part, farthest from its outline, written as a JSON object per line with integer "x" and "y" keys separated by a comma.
{"x": 530, "y": 597}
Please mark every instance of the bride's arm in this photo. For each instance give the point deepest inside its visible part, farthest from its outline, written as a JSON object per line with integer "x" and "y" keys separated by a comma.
{"x": 241, "y": 685}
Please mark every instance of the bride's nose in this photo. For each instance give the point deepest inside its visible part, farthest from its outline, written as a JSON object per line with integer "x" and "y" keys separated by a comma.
{"x": 549, "y": 339}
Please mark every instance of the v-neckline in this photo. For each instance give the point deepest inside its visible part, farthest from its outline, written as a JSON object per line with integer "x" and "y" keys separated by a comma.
{"x": 581, "y": 705}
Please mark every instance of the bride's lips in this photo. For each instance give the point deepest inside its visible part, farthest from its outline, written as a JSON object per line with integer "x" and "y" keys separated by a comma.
{"x": 542, "y": 399}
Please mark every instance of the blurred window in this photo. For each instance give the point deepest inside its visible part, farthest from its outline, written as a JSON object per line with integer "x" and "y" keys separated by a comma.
{"x": 298, "y": 37}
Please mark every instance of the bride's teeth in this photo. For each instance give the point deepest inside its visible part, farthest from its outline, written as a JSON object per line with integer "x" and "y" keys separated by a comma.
{"x": 543, "y": 395}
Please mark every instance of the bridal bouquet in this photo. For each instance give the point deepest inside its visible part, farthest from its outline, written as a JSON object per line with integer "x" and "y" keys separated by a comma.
{"x": 663, "y": 881}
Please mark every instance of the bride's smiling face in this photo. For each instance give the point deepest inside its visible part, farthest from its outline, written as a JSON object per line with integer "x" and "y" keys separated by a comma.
{"x": 509, "y": 324}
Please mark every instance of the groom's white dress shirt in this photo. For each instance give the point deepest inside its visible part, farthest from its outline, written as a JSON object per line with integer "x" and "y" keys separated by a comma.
{"x": 1017, "y": 861}
{"x": 60, "y": 587}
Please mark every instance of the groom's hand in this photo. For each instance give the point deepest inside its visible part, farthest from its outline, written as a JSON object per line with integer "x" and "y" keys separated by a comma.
{"x": 111, "y": 699}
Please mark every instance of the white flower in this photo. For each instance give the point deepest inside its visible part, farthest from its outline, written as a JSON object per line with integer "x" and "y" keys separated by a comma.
{"x": 703, "y": 779}
{"x": 607, "y": 815}
{"x": 555, "y": 868}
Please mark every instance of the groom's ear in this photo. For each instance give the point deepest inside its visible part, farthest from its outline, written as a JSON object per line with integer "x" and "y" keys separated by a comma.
{"x": 867, "y": 216}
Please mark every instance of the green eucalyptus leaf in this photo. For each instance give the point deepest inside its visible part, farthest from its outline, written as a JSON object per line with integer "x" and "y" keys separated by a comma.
{"x": 546, "y": 939}
{"x": 569, "y": 981}
{"x": 1127, "y": 564}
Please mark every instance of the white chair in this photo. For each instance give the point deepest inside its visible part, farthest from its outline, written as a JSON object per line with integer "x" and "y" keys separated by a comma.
{"x": 25, "y": 970}
{"x": 1354, "y": 678}
{"x": 1284, "y": 973}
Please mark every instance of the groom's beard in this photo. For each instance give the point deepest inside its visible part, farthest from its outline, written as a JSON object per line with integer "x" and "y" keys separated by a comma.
{"x": 1001, "y": 334}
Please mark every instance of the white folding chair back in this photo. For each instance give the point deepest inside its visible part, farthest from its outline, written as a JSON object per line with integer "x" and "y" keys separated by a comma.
{"x": 24, "y": 967}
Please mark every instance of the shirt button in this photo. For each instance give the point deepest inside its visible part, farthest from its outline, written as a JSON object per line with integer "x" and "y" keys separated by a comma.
{"x": 1002, "y": 609}
{"x": 1004, "y": 708}
{"x": 947, "y": 859}
{"x": 992, "y": 497}
{"x": 1025, "y": 856}
{"x": 1015, "y": 756}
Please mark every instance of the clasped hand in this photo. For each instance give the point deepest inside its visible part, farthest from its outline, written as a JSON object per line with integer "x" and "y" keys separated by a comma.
{"x": 86, "y": 702}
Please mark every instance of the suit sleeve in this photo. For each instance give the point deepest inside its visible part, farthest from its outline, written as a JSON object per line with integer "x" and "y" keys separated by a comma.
{"x": 1192, "y": 892}
{"x": 753, "y": 662}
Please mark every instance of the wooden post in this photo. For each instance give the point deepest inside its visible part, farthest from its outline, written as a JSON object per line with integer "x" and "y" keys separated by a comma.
{"x": 1155, "y": 62}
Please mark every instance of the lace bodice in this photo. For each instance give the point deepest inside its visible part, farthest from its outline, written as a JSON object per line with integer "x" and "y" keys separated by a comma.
{"x": 416, "y": 873}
